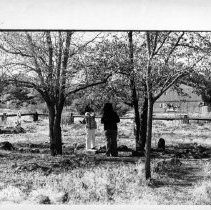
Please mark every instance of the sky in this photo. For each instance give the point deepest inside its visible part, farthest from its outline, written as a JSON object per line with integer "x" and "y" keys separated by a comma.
{"x": 106, "y": 14}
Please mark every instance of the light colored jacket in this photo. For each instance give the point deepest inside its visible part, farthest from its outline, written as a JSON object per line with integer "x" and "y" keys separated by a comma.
{"x": 89, "y": 119}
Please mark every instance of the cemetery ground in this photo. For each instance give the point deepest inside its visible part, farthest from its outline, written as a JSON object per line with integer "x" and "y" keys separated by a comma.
{"x": 180, "y": 175}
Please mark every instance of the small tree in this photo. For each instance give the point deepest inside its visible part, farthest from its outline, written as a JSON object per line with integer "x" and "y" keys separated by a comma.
{"x": 166, "y": 65}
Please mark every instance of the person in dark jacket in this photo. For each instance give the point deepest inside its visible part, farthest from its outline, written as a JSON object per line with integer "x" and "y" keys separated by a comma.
{"x": 110, "y": 119}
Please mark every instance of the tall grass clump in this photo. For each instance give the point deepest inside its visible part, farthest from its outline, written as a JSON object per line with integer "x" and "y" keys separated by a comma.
{"x": 104, "y": 184}
{"x": 11, "y": 194}
{"x": 202, "y": 193}
{"x": 202, "y": 190}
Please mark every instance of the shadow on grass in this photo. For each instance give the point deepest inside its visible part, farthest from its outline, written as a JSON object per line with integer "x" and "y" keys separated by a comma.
{"x": 125, "y": 159}
{"x": 186, "y": 175}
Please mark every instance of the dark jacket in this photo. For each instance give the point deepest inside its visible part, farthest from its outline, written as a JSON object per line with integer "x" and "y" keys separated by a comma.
{"x": 110, "y": 121}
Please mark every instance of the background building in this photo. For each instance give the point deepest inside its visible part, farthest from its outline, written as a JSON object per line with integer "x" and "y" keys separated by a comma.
{"x": 171, "y": 101}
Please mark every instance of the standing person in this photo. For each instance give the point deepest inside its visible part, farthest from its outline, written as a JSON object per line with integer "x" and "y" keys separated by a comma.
{"x": 110, "y": 120}
{"x": 91, "y": 125}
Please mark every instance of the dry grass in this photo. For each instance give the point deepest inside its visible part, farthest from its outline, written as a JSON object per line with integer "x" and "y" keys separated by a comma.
{"x": 77, "y": 179}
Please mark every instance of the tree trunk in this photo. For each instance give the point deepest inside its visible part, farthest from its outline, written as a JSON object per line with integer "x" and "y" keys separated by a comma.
{"x": 55, "y": 131}
{"x": 149, "y": 109}
{"x": 149, "y": 137}
{"x": 134, "y": 92}
{"x": 143, "y": 124}
{"x": 137, "y": 121}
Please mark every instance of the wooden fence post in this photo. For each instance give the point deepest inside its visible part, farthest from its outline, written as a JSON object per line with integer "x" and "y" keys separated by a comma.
{"x": 35, "y": 117}
{"x": 18, "y": 122}
{"x": 185, "y": 119}
{"x": 71, "y": 118}
{"x": 4, "y": 119}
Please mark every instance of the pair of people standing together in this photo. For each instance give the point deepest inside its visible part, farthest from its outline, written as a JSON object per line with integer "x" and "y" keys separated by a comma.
{"x": 110, "y": 120}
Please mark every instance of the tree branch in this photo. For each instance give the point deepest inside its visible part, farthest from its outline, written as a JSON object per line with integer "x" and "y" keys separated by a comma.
{"x": 20, "y": 64}
{"x": 155, "y": 43}
{"x": 81, "y": 47}
{"x": 168, "y": 84}
{"x": 174, "y": 47}
{"x": 162, "y": 43}
{"x": 82, "y": 87}
{"x": 38, "y": 69}
{"x": 166, "y": 87}
{"x": 15, "y": 52}
{"x": 50, "y": 56}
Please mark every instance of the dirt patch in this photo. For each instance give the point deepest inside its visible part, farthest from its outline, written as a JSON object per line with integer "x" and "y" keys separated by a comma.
{"x": 187, "y": 151}
{"x": 167, "y": 165}
{"x": 5, "y": 145}
{"x": 29, "y": 167}
{"x": 12, "y": 130}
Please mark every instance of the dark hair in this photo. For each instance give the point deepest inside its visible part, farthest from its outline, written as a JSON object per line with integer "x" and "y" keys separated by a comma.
{"x": 108, "y": 108}
{"x": 88, "y": 109}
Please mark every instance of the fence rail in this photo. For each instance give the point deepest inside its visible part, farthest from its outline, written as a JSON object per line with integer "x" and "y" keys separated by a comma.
{"x": 183, "y": 117}
{"x": 24, "y": 114}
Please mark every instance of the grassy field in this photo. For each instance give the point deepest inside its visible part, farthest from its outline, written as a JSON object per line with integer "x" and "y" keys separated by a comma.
{"x": 29, "y": 175}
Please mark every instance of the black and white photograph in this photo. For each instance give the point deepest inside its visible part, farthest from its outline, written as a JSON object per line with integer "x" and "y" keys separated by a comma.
{"x": 105, "y": 103}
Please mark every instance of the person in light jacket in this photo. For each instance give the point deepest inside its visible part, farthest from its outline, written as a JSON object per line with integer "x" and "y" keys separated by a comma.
{"x": 91, "y": 125}
{"x": 110, "y": 119}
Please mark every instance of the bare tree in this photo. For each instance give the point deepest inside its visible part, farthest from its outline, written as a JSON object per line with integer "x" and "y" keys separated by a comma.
{"x": 48, "y": 62}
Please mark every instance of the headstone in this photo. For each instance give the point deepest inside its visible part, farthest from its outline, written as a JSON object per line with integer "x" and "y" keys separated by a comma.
{"x": 35, "y": 117}
{"x": 161, "y": 144}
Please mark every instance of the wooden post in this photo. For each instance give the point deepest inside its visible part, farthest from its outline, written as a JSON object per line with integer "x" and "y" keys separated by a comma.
{"x": 18, "y": 122}
{"x": 185, "y": 119}
{"x": 71, "y": 118}
{"x": 35, "y": 117}
{"x": 4, "y": 119}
